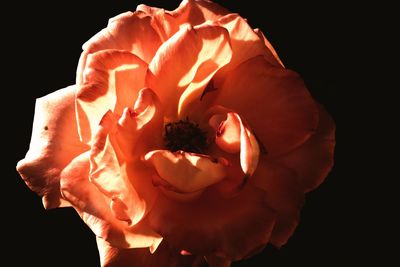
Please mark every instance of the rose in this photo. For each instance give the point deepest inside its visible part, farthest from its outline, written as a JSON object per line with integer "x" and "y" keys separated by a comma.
{"x": 184, "y": 133}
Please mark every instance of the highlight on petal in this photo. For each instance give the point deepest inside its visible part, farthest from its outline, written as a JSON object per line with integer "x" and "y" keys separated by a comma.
{"x": 54, "y": 130}
{"x": 314, "y": 159}
{"x": 274, "y": 101}
{"x": 105, "y": 173}
{"x": 185, "y": 63}
{"x": 186, "y": 172}
{"x": 112, "y": 80}
{"x": 230, "y": 228}
{"x": 130, "y": 31}
{"x": 94, "y": 209}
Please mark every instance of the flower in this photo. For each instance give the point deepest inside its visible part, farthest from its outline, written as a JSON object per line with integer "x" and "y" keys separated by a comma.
{"x": 183, "y": 135}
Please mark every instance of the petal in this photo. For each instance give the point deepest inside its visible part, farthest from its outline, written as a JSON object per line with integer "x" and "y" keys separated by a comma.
{"x": 245, "y": 42}
{"x": 213, "y": 225}
{"x": 186, "y": 62}
{"x": 117, "y": 257}
{"x": 274, "y": 101}
{"x": 54, "y": 143}
{"x": 106, "y": 174}
{"x": 112, "y": 79}
{"x": 140, "y": 129}
{"x": 186, "y": 172}
{"x": 167, "y": 23}
{"x": 129, "y": 31}
{"x": 94, "y": 208}
{"x": 273, "y": 55}
{"x": 314, "y": 159}
{"x": 215, "y": 261}
{"x": 284, "y": 195}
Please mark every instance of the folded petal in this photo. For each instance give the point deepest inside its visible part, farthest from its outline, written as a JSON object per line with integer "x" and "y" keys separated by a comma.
{"x": 284, "y": 194}
{"x": 246, "y": 44}
{"x": 186, "y": 172}
{"x": 213, "y": 225}
{"x": 314, "y": 159}
{"x": 185, "y": 63}
{"x": 94, "y": 208}
{"x": 111, "y": 81}
{"x": 273, "y": 55}
{"x": 54, "y": 143}
{"x": 116, "y": 257}
{"x": 129, "y": 31}
{"x": 274, "y": 101}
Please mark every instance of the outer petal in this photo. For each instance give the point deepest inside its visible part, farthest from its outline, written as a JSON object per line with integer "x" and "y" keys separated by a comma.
{"x": 212, "y": 225}
{"x": 314, "y": 159}
{"x": 186, "y": 172}
{"x": 116, "y": 257}
{"x": 112, "y": 79}
{"x": 274, "y": 101}
{"x": 129, "y": 31}
{"x": 284, "y": 195}
{"x": 94, "y": 208}
{"x": 54, "y": 144}
{"x": 270, "y": 47}
{"x": 186, "y": 63}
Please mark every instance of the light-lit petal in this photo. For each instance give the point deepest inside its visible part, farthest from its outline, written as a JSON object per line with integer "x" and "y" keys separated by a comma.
{"x": 186, "y": 172}
{"x": 184, "y": 65}
{"x": 273, "y": 56}
{"x": 230, "y": 228}
{"x": 274, "y": 101}
{"x": 130, "y": 31}
{"x": 54, "y": 143}
{"x": 314, "y": 159}
{"x": 94, "y": 208}
{"x": 112, "y": 80}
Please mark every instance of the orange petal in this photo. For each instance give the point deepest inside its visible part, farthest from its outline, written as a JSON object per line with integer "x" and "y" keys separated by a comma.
{"x": 54, "y": 130}
{"x": 284, "y": 194}
{"x": 116, "y": 257}
{"x": 245, "y": 42}
{"x": 274, "y": 101}
{"x": 106, "y": 174}
{"x": 186, "y": 172}
{"x": 94, "y": 208}
{"x": 140, "y": 128}
{"x": 112, "y": 79}
{"x": 215, "y": 261}
{"x": 314, "y": 159}
{"x": 129, "y": 31}
{"x": 273, "y": 55}
{"x": 213, "y": 225}
{"x": 186, "y": 62}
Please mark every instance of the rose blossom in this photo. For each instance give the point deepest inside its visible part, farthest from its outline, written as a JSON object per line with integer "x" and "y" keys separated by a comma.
{"x": 184, "y": 134}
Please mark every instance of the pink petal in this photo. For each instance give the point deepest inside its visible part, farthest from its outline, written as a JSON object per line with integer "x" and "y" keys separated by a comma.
{"x": 186, "y": 172}
{"x": 314, "y": 159}
{"x": 112, "y": 80}
{"x": 274, "y": 101}
{"x": 129, "y": 31}
{"x": 213, "y": 225}
{"x": 184, "y": 65}
{"x": 94, "y": 208}
{"x": 54, "y": 144}
{"x": 164, "y": 256}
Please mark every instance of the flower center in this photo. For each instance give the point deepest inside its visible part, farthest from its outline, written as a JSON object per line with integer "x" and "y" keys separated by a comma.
{"x": 185, "y": 135}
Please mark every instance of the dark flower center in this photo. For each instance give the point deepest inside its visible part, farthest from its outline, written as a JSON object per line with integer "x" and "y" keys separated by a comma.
{"x": 185, "y": 135}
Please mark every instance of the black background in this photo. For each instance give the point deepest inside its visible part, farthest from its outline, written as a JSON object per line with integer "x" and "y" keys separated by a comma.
{"x": 320, "y": 41}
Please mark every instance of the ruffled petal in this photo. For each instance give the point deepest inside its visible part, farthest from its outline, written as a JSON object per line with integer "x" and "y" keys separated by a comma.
{"x": 186, "y": 172}
{"x": 112, "y": 79}
{"x": 54, "y": 131}
{"x": 184, "y": 65}
{"x": 167, "y": 23}
{"x": 274, "y": 101}
{"x": 94, "y": 209}
{"x": 129, "y": 31}
{"x": 117, "y": 257}
{"x": 314, "y": 159}
{"x": 212, "y": 225}
{"x": 246, "y": 44}
{"x": 284, "y": 194}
